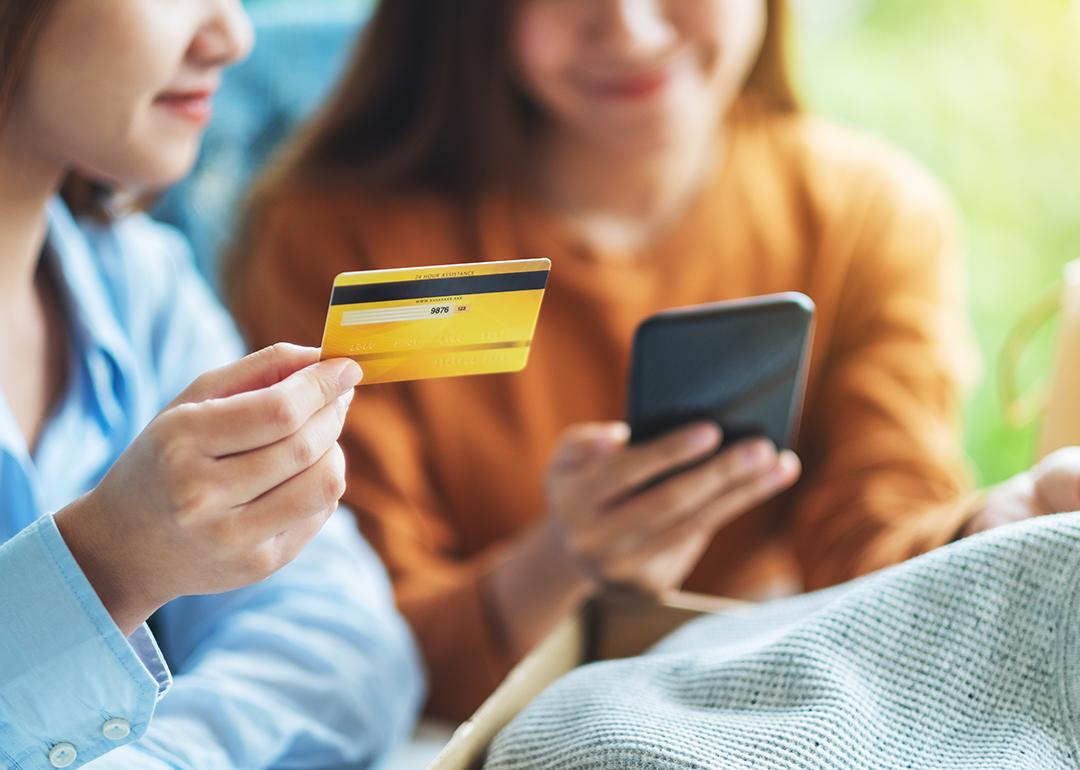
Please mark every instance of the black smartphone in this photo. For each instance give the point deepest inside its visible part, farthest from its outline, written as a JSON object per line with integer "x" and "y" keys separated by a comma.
{"x": 740, "y": 363}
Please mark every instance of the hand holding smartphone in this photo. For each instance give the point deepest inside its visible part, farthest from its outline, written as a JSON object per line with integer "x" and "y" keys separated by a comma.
{"x": 715, "y": 396}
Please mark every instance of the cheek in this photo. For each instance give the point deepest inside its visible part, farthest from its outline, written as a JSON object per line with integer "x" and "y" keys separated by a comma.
{"x": 727, "y": 33}
{"x": 89, "y": 91}
{"x": 115, "y": 56}
{"x": 544, "y": 50}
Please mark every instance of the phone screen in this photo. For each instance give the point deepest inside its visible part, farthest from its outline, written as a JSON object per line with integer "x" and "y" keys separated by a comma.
{"x": 741, "y": 364}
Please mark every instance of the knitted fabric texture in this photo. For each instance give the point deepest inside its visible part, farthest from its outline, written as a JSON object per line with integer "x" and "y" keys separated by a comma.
{"x": 963, "y": 658}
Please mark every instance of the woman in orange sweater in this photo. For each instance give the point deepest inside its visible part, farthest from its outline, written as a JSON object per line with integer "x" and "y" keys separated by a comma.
{"x": 654, "y": 151}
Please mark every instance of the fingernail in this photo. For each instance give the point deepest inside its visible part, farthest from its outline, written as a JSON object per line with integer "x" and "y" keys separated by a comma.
{"x": 349, "y": 374}
{"x": 704, "y": 436}
{"x": 758, "y": 454}
{"x": 784, "y": 472}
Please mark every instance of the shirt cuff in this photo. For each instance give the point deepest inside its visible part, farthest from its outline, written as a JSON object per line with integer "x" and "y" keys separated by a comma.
{"x": 72, "y": 688}
{"x": 131, "y": 757}
{"x": 145, "y": 646}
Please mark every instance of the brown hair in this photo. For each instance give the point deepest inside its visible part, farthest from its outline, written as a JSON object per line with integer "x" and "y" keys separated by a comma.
{"x": 20, "y": 26}
{"x": 429, "y": 99}
{"x": 21, "y": 22}
{"x": 429, "y": 102}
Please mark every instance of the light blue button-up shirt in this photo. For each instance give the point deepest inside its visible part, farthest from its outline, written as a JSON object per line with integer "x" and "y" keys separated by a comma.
{"x": 310, "y": 668}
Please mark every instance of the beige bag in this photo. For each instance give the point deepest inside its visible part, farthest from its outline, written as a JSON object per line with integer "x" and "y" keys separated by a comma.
{"x": 1058, "y": 405}
{"x": 1061, "y": 423}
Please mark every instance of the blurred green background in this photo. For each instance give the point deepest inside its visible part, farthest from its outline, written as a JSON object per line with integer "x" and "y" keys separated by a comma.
{"x": 987, "y": 94}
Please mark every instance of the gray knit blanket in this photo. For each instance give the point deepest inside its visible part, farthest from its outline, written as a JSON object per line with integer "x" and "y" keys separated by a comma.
{"x": 966, "y": 657}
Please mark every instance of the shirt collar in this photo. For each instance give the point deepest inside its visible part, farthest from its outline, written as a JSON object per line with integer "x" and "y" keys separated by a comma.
{"x": 98, "y": 340}
{"x": 92, "y": 311}
{"x": 102, "y": 377}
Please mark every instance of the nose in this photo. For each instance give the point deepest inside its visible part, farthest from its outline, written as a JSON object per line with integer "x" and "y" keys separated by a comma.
{"x": 635, "y": 27}
{"x": 225, "y": 37}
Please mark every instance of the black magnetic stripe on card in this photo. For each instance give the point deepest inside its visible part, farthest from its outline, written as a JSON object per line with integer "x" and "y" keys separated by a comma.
{"x": 425, "y": 288}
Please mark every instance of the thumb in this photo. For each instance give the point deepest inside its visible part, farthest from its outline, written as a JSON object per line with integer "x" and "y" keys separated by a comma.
{"x": 1057, "y": 481}
{"x": 583, "y": 443}
{"x": 258, "y": 370}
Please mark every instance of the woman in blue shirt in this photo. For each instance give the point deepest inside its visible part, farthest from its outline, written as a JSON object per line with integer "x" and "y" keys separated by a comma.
{"x": 142, "y": 473}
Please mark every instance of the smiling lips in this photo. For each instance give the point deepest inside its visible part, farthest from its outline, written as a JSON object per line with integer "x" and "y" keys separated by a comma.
{"x": 633, "y": 87}
{"x": 192, "y": 106}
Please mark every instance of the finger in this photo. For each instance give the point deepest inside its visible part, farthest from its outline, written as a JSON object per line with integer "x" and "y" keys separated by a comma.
{"x": 1057, "y": 481}
{"x": 737, "y": 501}
{"x": 626, "y": 472}
{"x": 662, "y": 506}
{"x": 259, "y": 418}
{"x": 257, "y": 471}
{"x": 756, "y": 491}
{"x": 287, "y": 545}
{"x": 252, "y": 372}
{"x": 304, "y": 495}
{"x": 268, "y": 556}
{"x": 587, "y": 441}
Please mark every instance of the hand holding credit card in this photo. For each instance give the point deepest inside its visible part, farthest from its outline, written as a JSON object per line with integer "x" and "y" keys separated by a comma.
{"x": 442, "y": 321}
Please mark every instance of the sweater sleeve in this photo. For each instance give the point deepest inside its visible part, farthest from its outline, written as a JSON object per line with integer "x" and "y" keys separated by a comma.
{"x": 885, "y": 475}
{"x": 442, "y": 594}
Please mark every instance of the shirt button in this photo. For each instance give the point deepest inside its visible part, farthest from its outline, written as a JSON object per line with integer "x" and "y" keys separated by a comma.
{"x": 116, "y": 729}
{"x": 62, "y": 755}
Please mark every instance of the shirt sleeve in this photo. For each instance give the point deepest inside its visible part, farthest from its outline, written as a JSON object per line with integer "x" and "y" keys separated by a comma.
{"x": 72, "y": 688}
{"x": 130, "y": 757}
{"x": 312, "y": 667}
{"x": 885, "y": 473}
{"x": 444, "y": 596}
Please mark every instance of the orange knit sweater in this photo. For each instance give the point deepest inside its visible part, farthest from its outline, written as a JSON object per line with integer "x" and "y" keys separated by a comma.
{"x": 442, "y": 472}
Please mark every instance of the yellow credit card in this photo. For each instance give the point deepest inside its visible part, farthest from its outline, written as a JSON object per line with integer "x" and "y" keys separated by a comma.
{"x": 421, "y": 322}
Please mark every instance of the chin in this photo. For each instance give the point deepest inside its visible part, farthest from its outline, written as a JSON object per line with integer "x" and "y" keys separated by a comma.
{"x": 647, "y": 131}
{"x": 167, "y": 164}
{"x": 152, "y": 169}
{"x": 164, "y": 177}
{"x": 643, "y": 139}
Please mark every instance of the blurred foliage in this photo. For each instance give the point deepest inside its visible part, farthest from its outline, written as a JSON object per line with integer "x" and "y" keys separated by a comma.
{"x": 987, "y": 94}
